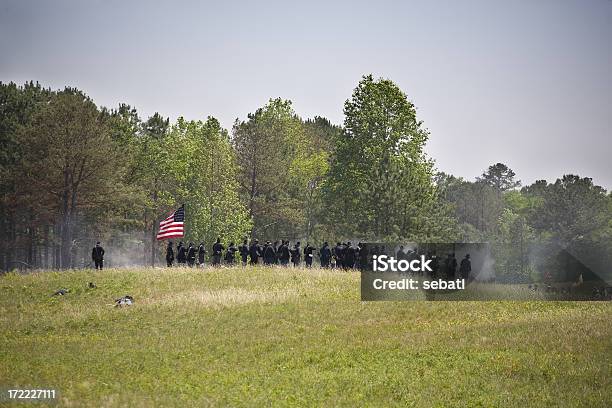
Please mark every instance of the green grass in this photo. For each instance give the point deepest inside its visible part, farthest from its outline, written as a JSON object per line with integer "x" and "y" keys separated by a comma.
{"x": 287, "y": 337}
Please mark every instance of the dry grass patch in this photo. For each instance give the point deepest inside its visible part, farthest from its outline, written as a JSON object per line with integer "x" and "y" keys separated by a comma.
{"x": 220, "y": 298}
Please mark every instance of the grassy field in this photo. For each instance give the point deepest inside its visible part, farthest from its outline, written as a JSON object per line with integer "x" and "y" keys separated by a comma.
{"x": 292, "y": 337}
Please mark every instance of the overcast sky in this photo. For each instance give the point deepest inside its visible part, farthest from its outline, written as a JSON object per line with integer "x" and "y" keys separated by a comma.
{"x": 526, "y": 83}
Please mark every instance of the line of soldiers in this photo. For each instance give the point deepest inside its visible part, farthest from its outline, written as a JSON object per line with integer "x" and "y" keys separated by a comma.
{"x": 343, "y": 255}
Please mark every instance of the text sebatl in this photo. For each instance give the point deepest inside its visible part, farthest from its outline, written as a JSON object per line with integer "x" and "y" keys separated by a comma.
{"x": 411, "y": 284}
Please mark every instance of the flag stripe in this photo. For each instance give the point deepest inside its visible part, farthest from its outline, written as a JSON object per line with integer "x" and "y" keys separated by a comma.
{"x": 170, "y": 235}
{"x": 171, "y": 230}
{"x": 172, "y": 226}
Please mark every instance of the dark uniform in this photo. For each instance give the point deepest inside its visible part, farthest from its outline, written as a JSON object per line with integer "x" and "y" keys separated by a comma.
{"x": 244, "y": 252}
{"x": 201, "y": 254}
{"x": 434, "y": 265}
{"x": 230, "y": 254}
{"x": 466, "y": 267}
{"x": 97, "y": 256}
{"x": 325, "y": 255}
{"x": 269, "y": 255}
{"x": 375, "y": 251}
{"x": 410, "y": 256}
{"x": 308, "y": 255}
{"x": 349, "y": 256}
{"x": 276, "y": 254}
{"x": 169, "y": 255}
{"x": 362, "y": 253}
{"x": 338, "y": 254}
{"x": 451, "y": 266}
{"x": 284, "y": 253}
{"x": 296, "y": 255}
{"x": 254, "y": 252}
{"x": 217, "y": 250}
{"x": 400, "y": 254}
{"x": 181, "y": 254}
{"x": 191, "y": 255}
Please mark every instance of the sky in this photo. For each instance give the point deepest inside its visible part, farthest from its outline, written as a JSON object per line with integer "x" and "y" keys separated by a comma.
{"x": 526, "y": 83}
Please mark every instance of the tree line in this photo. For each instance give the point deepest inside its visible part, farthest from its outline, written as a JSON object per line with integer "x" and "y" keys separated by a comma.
{"x": 73, "y": 173}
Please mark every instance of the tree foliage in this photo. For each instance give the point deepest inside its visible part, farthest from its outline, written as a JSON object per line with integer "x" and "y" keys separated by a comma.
{"x": 571, "y": 208}
{"x": 201, "y": 171}
{"x": 70, "y": 165}
{"x": 282, "y": 160}
{"x": 72, "y": 173}
{"x": 500, "y": 177}
{"x": 380, "y": 184}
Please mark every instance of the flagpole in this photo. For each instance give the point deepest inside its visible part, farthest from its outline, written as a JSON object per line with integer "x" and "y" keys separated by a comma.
{"x": 171, "y": 226}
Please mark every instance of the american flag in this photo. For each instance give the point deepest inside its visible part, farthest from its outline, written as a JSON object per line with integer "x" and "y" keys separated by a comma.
{"x": 172, "y": 227}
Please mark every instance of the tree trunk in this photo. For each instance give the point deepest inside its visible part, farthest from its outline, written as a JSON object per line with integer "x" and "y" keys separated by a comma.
{"x": 145, "y": 230}
{"x": 56, "y": 246}
{"x": 45, "y": 254}
{"x": 153, "y": 236}
{"x": 66, "y": 241}
{"x": 30, "y": 249}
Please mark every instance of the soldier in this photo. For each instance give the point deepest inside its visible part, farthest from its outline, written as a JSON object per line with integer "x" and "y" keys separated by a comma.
{"x": 411, "y": 255}
{"x": 400, "y": 254}
{"x": 349, "y": 256}
{"x": 97, "y": 256}
{"x": 265, "y": 255}
{"x": 308, "y": 255}
{"x": 338, "y": 255}
{"x": 269, "y": 256}
{"x": 376, "y": 250}
{"x": 191, "y": 255}
{"x": 276, "y": 254}
{"x": 169, "y": 254}
{"x": 230, "y": 254}
{"x": 217, "y": 250}
{"x": 181, "y": 254}
{"x": 451, "y": 266}
{"x": 362, "y": 255}
{"x": 325, "y": 255}
{"x": 284, "y": 253}
{"x": 465, "y": 268}
{"x": 344, "y": 251}
{"x": 296, "y": 254}
{"x": 434, "y": 264}
{"x": 254, "y": 252}
{"x": 244, "y": 252}
{"x": 201, "y": 254}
